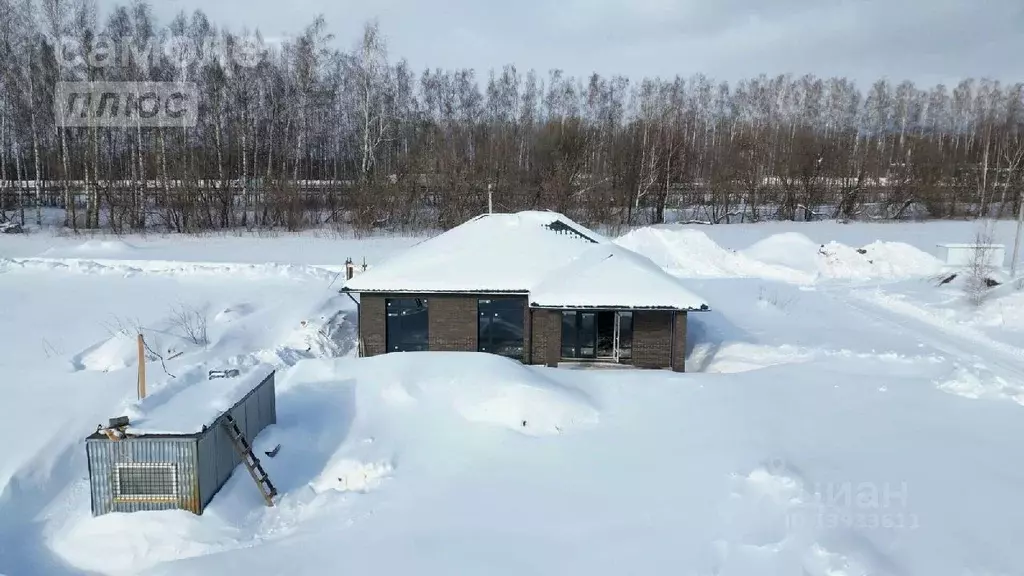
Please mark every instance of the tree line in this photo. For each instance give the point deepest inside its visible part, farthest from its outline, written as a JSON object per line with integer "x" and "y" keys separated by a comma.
{"x": 299, "y": 133}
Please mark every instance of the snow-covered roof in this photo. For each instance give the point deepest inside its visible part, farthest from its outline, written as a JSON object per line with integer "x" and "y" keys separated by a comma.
{"x": 490, "y": 253}
{"x": 610, "y": 276}
{"x": 194, "y": 406}
{"x": 557, "y": 261}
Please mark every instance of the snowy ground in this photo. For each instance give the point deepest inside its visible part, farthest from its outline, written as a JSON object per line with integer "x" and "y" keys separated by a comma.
{"x": 843, "y": 415}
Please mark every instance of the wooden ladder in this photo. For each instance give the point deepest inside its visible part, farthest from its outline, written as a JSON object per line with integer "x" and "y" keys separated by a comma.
{"x": 252, "y": 463}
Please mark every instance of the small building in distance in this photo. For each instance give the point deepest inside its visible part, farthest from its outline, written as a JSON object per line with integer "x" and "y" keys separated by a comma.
{"x": 534, "y": 286}
{"x": 179, "y": 453}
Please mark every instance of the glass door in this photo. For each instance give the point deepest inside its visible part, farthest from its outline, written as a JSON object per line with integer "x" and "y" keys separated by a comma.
{"x": 587, "y": 335}
{"x": 579, "y": 335}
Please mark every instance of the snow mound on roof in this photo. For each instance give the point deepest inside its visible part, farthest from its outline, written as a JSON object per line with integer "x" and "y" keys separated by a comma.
{"x": 611, "y": 276}
{"x": 482, "y": 389}
{"x": 192, "y": 401}
{"x": 492, "y": 252}
{"x": 691, "y": 253}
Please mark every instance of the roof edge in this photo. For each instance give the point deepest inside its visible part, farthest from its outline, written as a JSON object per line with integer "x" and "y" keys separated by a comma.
{"x": 653, "y": 308}
{"x": 428, "y": 292}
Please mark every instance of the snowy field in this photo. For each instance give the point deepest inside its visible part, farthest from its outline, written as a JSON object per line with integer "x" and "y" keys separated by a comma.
{"x": 844, "y": 414}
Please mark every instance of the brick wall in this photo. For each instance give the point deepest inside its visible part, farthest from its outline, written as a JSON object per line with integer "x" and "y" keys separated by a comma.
{"x": 452, "y": 323}
{"x": 679, "y": 343}
{"x": 652, "y": 339}
{"x": 372, "y": 321}
{"x": 547, "y": 337}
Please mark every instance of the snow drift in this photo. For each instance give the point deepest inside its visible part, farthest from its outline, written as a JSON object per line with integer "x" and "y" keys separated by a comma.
{"x": 786, "y": 257}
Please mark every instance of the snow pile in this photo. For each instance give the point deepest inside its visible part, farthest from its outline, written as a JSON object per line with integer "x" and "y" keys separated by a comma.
{"x": 979, "y": 382}
{"x": 837, "y": 261}
{"x": 130, "y": 543}
{"x": 876, "y": 261}
{"x": 233, "y": 313}
{"x": 789, "y": 250}
{"x": 193, "y": 401}
{"x": 483, "y": 389}
{"x": 691, "y": 253}
{"x": 349, "y": 475}
{"x": 117, "y": 352}
{"x": 788, "y": 257}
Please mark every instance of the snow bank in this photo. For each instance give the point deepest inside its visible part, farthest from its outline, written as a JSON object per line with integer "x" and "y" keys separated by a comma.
{"x": 790, "y": 250}
{"x": 131, "y": 543}
{"x": 691, "y": 253}
{"x": 787, "y": 257}
{"x": 117, "y": 352}
{"x": 876, "y": 261}
{"x": 127, "y": 268}
{"x": 104, "y": 247}
{"x": 480, "y": 388}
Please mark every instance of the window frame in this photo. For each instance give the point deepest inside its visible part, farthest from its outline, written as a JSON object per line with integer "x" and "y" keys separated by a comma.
{"x": 521, "y": 307}
{"x": 119, "y": 496}
{"x": 387, "y": 323}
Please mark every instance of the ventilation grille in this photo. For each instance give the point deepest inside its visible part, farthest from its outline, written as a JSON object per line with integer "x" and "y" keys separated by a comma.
{"x": 146, "y": 481}
{"x": 562, "y": 228}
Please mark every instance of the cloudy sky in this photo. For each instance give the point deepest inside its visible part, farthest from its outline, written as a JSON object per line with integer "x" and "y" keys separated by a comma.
{"x": 927, "y": 41}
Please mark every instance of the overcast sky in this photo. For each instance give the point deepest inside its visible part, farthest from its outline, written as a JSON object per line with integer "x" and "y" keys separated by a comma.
{"x": 927, "y": 41}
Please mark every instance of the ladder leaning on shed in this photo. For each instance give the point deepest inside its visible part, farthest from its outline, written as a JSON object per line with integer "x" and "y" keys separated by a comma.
{"x": 251, "y": 462}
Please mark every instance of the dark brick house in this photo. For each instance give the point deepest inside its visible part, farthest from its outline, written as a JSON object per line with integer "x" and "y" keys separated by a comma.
{"x": 534, "y": 286}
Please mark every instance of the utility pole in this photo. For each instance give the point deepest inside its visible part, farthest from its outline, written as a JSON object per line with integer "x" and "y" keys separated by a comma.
{"x": 142, "y": 368}
{"x": 1016, "y": 242}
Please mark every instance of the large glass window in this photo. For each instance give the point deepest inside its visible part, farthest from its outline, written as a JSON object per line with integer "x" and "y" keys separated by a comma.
{"x": 406, "y": 329}
{"x": 569, "y": 335}
{"x": 500, "y": 328}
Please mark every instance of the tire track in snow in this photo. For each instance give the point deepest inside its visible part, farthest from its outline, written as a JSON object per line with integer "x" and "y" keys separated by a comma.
{"x": 969, "y": 346}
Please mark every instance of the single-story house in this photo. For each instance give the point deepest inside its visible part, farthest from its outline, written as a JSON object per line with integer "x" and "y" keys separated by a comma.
{"x": 534, "y": 286}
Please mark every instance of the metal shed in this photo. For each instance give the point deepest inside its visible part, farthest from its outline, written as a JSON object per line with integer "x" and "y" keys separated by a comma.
{"x": 180, "y": 454}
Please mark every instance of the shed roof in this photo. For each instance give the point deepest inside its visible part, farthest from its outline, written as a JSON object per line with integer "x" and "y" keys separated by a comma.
{"x": 187, "y": 410}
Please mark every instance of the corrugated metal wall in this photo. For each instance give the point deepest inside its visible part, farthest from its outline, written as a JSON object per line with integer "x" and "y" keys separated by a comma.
{"x": 104, "y": 457}
{"x": 217, "y": 455}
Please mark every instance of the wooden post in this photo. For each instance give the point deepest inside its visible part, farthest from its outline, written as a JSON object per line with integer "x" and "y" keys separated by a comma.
{"x": 142, "y": 368}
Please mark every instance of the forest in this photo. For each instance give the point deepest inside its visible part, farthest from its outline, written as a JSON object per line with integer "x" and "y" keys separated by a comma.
{"x": 314, "y": 131}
